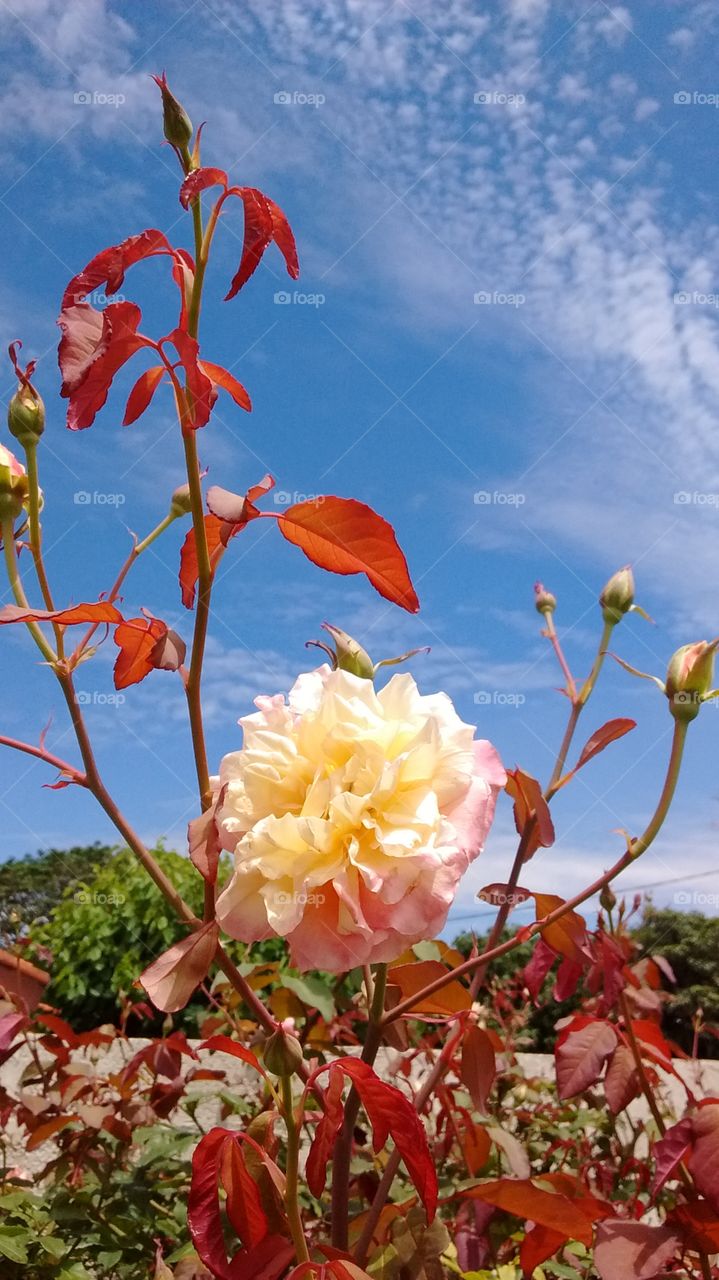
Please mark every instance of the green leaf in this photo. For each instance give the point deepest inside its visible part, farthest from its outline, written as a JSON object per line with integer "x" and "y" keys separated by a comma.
{"x": 313, "y": 992}
{"x": 54, "y": 1246}
{"x": 13, "y": 1243}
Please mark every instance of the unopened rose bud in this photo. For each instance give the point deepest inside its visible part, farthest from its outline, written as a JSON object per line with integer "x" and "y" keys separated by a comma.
{"x": 607, "y": 899}
{"x": 617, "y": 597}
{"x": 26, "y": 416}
{"x": 282, "y": 1053}
{"x": 13, "y": 485}
{"x": 176, "y": 122}
{"x": 26, "y": 411}
{"x": 690, "y": 675}
{"x": 544, "y": 601}
{"x": 349, "y": 655}
{"x": 181, "y": 502}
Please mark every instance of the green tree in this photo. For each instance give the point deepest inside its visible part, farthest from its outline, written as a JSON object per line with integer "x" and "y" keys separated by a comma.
{"x": 31, "y": 886}
{"x": 689, "y": 941}
{"x": 106, "y": 929}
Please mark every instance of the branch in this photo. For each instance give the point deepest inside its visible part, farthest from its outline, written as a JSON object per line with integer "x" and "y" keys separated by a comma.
{"x": 40, "y": 753}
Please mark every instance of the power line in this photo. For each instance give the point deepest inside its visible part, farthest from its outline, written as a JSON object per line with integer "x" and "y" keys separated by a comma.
{"x": 636, "y": 888}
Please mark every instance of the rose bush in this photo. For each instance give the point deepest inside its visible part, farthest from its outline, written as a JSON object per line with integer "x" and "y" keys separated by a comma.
{"x": 352, "y": 812}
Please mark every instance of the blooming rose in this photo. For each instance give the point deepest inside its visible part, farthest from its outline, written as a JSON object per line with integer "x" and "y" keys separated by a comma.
{"x": 352, "y": 814}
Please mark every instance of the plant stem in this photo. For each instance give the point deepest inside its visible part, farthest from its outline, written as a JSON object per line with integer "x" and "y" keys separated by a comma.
{"x": 36, "y": 539}
{"x": 554, "y": 639}
{"x": 342, "y": 1155}
{"x": 578, "y": 703}
{"x": 8, "y": 538}
{"x": 670, "y": 786}
{"x": 47, "y": 756}
{"x": 292, "y": 1204}
{"x": 97, "y": 787}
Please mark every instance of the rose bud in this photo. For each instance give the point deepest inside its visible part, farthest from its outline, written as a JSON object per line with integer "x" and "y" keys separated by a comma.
{"x": 181, "y": 502}
{"x": 282, "y": 1053}
{"x": 349, "y": 655}
{"x": 544, "y": 601}
{"x": 617, "y": 597}
{"x": 26, "y": 416}
{"x": 26, "y": 411}
{"x": 176, "y": 122}
{"x": 13, "y": 485}
{"x": 607, "y": 899}
{"x": 690, "y": 675}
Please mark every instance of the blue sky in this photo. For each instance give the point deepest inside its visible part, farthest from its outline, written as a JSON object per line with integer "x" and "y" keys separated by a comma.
{"x": 506, "y": 218}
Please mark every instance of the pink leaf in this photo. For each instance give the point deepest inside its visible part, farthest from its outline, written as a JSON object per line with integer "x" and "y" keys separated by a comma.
{"x": 621, "y": 1083}
{"x": 633, "y": 1250}
{"x": 580, "y": 1056}
{"x": 391, "y": 1113}
{"x": 201, "y": 393}
{"x": 199, "y": 180}
{"x": 204, "y": 844}
{"x": 670, "y": 1150}
{"x": 108, "y": 267}
{"x": 704, "y": 1159}
{"x": 142, "y": 393}
{"x": 328, "y": 1127}
{"x": 223, "y": 1044}
{"x": 171, "y": 979}
{"x": 344, "y": 536}
{"x": 478, "y": 1067}
{"x": 75, "y": 615}
{"x": 223, "y": 378}
{"x": 259, "y": 229}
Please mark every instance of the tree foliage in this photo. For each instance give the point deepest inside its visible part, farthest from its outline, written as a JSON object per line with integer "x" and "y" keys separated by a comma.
{"x": 31, "y": 886}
